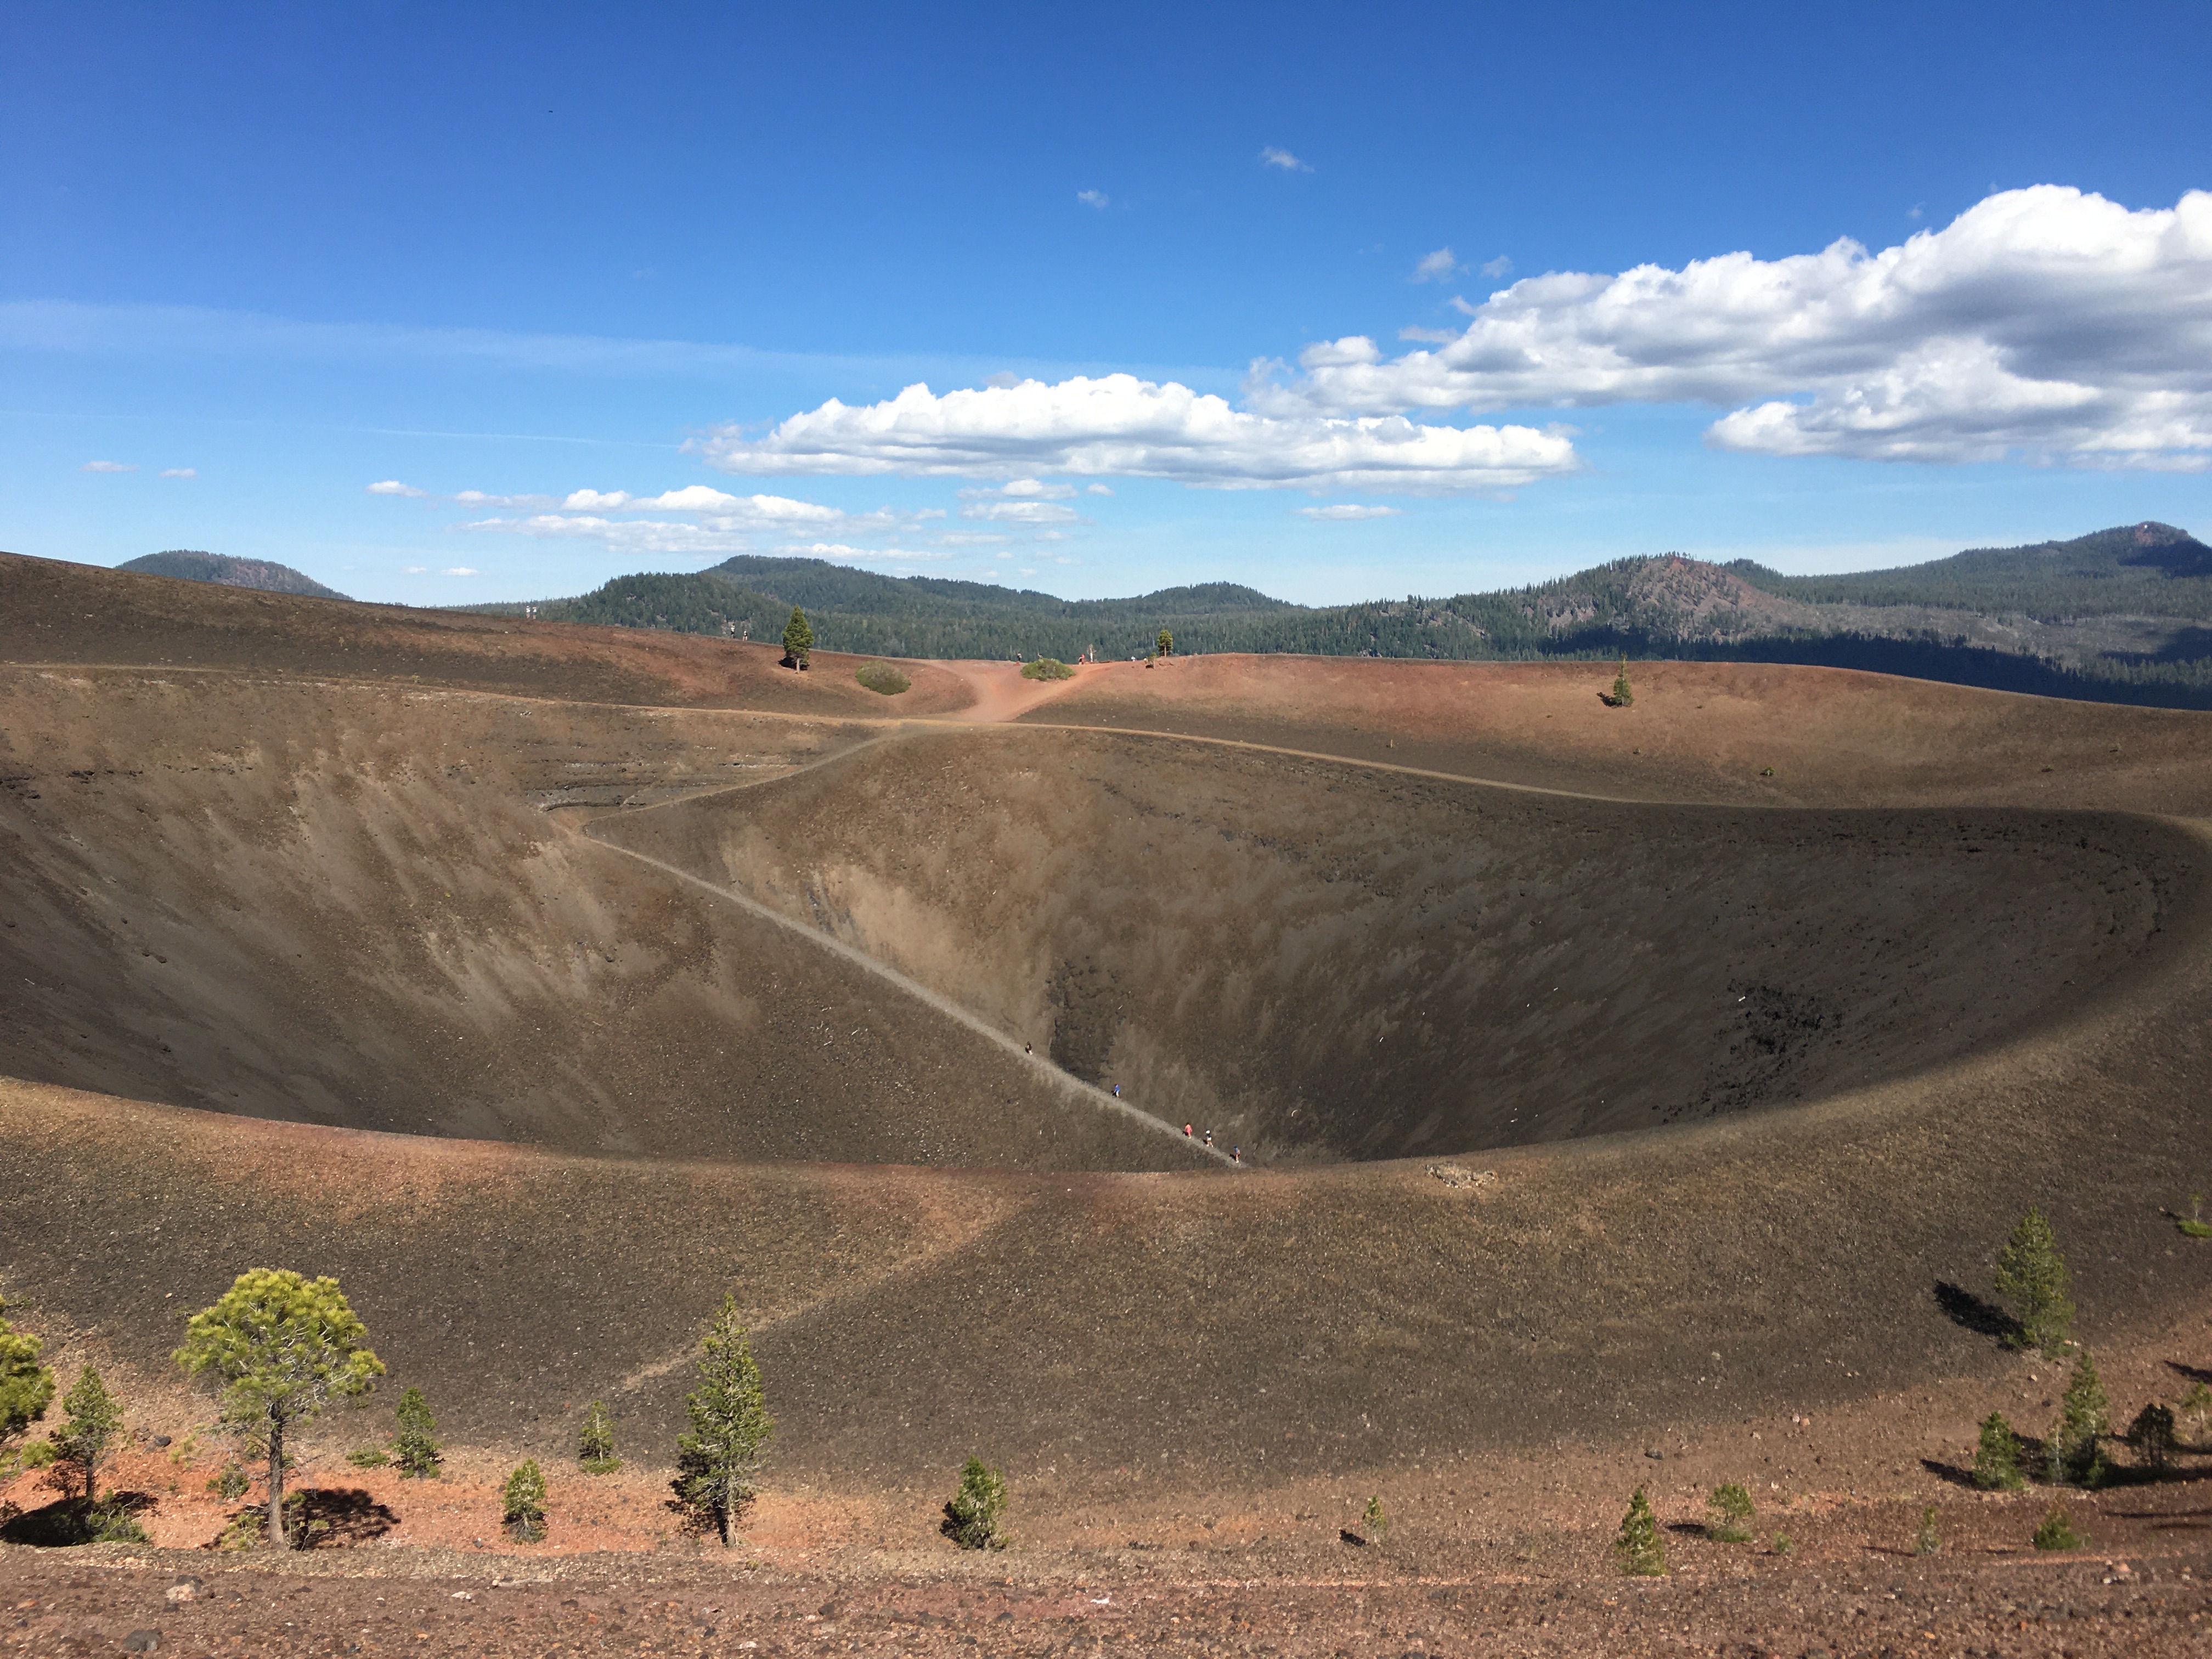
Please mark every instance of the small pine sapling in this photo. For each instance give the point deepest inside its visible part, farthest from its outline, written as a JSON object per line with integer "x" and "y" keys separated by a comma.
{"x": 367, "y": 1457}
{"x": 595, "y": 1446}
{"x": 1996, "y": 1457}
{"x": 1376, "y": 1522}
{"x": 2153, "y": 1437}
{"x": 415, "y": 1447}
{"x": 730, "y": 1426}
{"x": 1622, "y": 693}
{"x": 2084, "y": 1414}
{"x": 90, "y": 1434}
{"x": 2196, "y": 1410}
{"x": 523, "y": 1502}
{"x": 2034, "y": 1274}
{"x": 1785, "y": 1544}
{"x": 1927, "y": 1541}
{"x": 1730, "y": 1514}
{"x": 2056, "y": 1532}
{"x": 230, "y": 1483}
{"x": 1641, "y": 1551}
{"x": 971, "y": 1519}
{"x": 2193, "y": 1224}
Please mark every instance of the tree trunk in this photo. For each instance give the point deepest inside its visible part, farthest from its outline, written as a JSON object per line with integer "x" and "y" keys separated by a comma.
{"x": 722, "y": 1512}
{"x": 276, "y": 1481}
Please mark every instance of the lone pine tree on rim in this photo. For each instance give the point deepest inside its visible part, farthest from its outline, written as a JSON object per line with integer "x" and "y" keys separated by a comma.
{"x": 798, "y": 639}
{"x": 282, "y": 1347}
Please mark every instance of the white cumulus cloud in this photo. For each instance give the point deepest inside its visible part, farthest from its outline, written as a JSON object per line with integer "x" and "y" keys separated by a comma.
{"x": 2040, "y": 324}
{"x": 1275, "y": 155}
{"x": 109, "y": 466}
{"x": 1093, "y": 199}
{"x": 1118, "y": 426}
{"x": 1436, "y": 267}
{"x": 181, "y": 472}
{"x": 1097, "y": 490}
{"x": 393, "y": 487}
{"x": 1346, "y": 510}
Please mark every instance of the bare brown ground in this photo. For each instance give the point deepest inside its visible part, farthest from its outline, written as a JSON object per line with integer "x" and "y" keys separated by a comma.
{"x": 1194, "y": 1382}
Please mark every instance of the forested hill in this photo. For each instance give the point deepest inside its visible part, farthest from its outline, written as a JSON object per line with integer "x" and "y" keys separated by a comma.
{"x": 2120, "y": 616}
{"x": 229, "y": 572}
{"x": 2144, "y": 569}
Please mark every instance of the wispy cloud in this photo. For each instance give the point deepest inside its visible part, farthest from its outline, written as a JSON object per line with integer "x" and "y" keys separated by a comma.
{"x": 1347, "y": 510}
{"x": 460, "y": 570}
{"x": 1501, "y": 266}
{"x": 1093, "y": 199}
{"x": 2043, "y": 324}
{"x": 1275, "y": 156}
{"x": 1119, "y": 426}
{"x": 181, "y": 472}
{"x": 1439, "y": 267}
{"x": 108, "y": 466}
{"x": 393, "y": 487}
{"x": 1030, "y": 513}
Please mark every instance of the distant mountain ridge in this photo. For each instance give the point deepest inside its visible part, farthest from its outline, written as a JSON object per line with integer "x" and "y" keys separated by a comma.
{"x": 2122, "y": 614}
{"x": 228, "y": 572}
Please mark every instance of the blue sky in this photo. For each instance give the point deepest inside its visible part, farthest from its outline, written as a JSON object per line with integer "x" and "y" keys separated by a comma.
{"x": 577, "y": 285}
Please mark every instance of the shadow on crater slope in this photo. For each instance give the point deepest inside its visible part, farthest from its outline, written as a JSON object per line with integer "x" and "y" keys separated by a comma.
{"x": 358, "y": 906}
{"x": 1318, "y": 960}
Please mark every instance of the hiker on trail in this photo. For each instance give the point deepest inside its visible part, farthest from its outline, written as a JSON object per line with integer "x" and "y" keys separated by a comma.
{"x": 1117, "y": 1092}
{"x": 1209, "y": 1137}
{"x": 1185, "y": 1131}
{"x": 1237, "y": 1154}
{"x": 1027, "y": 1049}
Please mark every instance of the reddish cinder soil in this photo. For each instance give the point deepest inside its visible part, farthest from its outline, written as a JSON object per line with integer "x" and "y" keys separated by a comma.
{"x": 333, "y": 948}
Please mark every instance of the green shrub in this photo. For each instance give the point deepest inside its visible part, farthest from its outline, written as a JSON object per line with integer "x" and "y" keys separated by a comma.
{"x": 367, "y": 1457}
{"x": 1996, "y": 1458}
{"x": 1731, "y": 1515}
{"x": 1376, "y": 1521}
{"x": 230, "y": 1483}
{"x": 971, "y": 1519}
{"x": 2194, "y": 1223}
{"x": 1641, "y": 1551}
{"x": 2034, "y": 1274}
{"x": 26, "y": 1388}
{"x": 413, "y": 1448}
{"x": 37, "y": 1454}
{"x": 1927, "y": 1540}
{"x": 523, "y": 1502}
{"x": 882, "y": 676}
{"x": 595, "y": 1446}
{"x": 1785, "y": 1544}
{"x": 1046, "y": 668}
{"x": 2056, "y": 1532}
{"x": 2195, "y": 1409}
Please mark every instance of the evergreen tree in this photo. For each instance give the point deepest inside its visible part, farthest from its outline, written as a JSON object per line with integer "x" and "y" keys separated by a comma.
{"x": 282, "y": 1347}
{"x": 523, "y": 1502}
{"x": 414, "y": 1448}
{"x": 2056, "y": 1532}
{"x": 2195, "y": 1408}
{"x": 1376, "y": 1520}
{"x": 91, "y": 1432}
{"x": 971, "y": 1519}
{"x": 1166, "y": 644}
{"x": 595, "y": 1448}
{"x": 1996, "y": 1459}
{"x": 1927, "y": 1541}
{"x": 1731, "y": 1515}
{"x": 1642, "y": 1552}
{"x": 729, "y": 1425}
{"x": 2033, "y": 1272}
{"x": 1623, "y": 694}
{"x": 2153, "y": 1437}
{"x": 26, "y": 1388}
{"x": 798, "y": 638}
{"x": 2076, "y": 1448}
